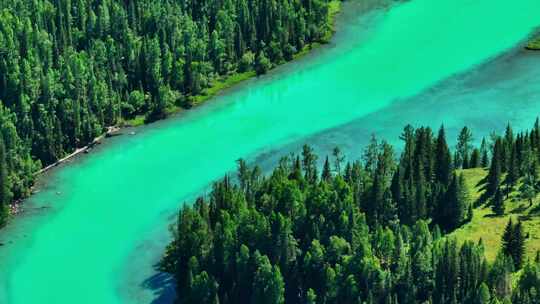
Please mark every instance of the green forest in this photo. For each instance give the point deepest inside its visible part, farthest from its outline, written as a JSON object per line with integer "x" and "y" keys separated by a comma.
{"x": 374, "y": 230}
{"x": 71, "y": 68}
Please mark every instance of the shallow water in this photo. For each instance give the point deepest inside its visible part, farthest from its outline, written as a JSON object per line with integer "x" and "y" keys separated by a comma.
{"x": 87, "y": 240}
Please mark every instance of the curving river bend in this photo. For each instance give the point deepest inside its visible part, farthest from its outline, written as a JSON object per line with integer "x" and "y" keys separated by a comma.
{"x": 384, "y": 69}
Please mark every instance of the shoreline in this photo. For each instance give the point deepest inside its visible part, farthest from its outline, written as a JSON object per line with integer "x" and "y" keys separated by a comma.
{"x": 226, "y": 82}
{"x": 220, "y": 85}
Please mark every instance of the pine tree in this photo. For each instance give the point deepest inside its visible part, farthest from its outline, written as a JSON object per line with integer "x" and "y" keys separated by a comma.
{"x": 338, "y": 160}
{"x": 519, "y": 245}
{"x": 326, "y": 172}
{"x": 309, "y": 163}
{"x": 443, "y": 161}
{"x": 494, "y": 175}
{"x": 507, "y": 238}
{"x": 483, "y": 296}
{"x": 529, "y": 187}
{"x": 512, "y": 174}
{"x": 455, "y": 206}
{"x": 484, "y": 159}
{"x": 475, "y": 161}
{"x": 513, "y": 242}
{"x": 497, "y": 203}
{"x": 463, "y": 148}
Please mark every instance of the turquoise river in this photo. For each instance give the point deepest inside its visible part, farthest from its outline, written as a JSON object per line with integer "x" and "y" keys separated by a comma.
{"x": 96, "y": 226}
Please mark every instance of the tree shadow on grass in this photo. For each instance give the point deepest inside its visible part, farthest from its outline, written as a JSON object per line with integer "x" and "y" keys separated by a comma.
{"x": 162, "y": 284}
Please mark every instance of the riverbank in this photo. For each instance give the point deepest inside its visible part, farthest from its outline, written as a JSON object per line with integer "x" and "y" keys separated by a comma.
{"x": 219, "y": 86}
{"x": 226, "y": 82}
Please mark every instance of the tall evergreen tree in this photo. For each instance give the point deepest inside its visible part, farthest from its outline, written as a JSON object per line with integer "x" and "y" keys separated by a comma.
{"x": 443, "y": 161}
{"x": 513, "y": 242}
{"x": 497, "y": 203}
{"x": 494, "y": 175}
{"x": 463, "y": 148}
{"x": 484, "y": 158}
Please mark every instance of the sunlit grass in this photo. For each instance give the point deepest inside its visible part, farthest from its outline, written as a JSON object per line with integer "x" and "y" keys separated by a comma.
{"x": 534, "y": 44}
{"x": 488, "y": 227}
{"x": 220, "y": 85}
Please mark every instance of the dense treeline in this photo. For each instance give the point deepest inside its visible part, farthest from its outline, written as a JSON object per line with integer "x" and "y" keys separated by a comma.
{"x": 69, "y": 68}
{"x": 369, "y": 231}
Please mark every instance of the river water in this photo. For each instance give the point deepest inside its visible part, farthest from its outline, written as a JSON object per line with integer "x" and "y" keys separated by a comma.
{"x": 97, "y": 225}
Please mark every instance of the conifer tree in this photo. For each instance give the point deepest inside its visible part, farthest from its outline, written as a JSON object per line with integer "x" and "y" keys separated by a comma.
{"x": 326, "y": 172}
{"x": 529, "y": 186}
{"x": 494, "y": 175}
{"x": 338, "y": 160}
{"x": 497, "y": 204}
{"x": 512, "y": 174}
{"x": 519, "y": 245}
{"x": 463, "y": 148}
{"x": 309, "y": 163}
{"x": 443, "y": 162}
{"x": 475, "y": 161}
{"x": 513, "y": 242}
{"x": 484, "y": 158}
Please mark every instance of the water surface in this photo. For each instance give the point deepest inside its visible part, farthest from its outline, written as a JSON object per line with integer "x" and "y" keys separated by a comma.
{"x": 80, "y": 247}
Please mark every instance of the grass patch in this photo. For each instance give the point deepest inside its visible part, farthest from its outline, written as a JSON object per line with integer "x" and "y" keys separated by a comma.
{"x": 333, "y": 9}
{"x": 222, "y": 84}
{"x": 534, "y": 44}
{"x": 134, "y": 122}
{"x": 488, "y": 227}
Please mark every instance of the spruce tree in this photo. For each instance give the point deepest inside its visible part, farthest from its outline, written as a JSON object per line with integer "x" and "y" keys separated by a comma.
{"x": 508, "y": 238}
{"x": 497, "y": 203}
{"x": 513, "y": 242}
{"x": 494, "y": 175}
{"x": 529, "y": 187}
{"x": 512, "y": 174}
{"x": 463, "y": 148}
{"x": 326, "y": 172}
{"x": 309, "y": 163}
{"x": 518, "y": 251}
{"x": 443, "y": 161}
{"x": 484, "y": 158}
{"x": 338, "y": 160}
{"x": 475, "y": 161}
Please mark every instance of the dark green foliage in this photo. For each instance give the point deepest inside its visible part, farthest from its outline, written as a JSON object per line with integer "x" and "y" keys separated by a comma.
{"x": 475, "y": 161}
{"x": 69, "y": 69}
{"x": 262, "y": 64}
{"x": 463, "y": 149}
{"x": 297, "y": 237}
{"x": 495, "y": 171}
{"x": 497, "y": 203}
{"x": 513, "y": 242}
{"x": 443, "y": 163}
{"x": 292, "y": 242}
{"x": 368, "y": 232}
{"x": 484, "y": 158}
{"x": 455, "y": 207}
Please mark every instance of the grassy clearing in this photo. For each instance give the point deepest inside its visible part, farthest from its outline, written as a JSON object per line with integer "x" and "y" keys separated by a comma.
{"x": 488, "y": 227}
